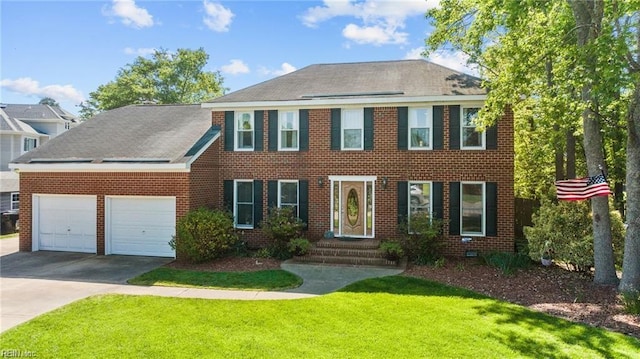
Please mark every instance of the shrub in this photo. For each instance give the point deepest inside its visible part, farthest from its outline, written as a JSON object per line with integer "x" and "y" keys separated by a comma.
{"x": 566, "y": 229}
{"x": 280, "y": 227}
{"x": 203, "y": 235}
{"x": 299, "y": 246}
{"x": 422, "y": 238}
{"x": 391, "y": 250}
{"x": 507, "y": 262}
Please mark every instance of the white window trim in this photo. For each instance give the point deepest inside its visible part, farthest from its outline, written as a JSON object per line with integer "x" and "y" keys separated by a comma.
{"x": 235, "y": 205}
{"x": 409, "y": 199}
{"x": 484, "y": 214}
{"x": 296, "y": 128}
{"x": 342, "y": 128}
{"x": 23, "y": 143}
{"x": 280, "y": 182}
{"x": 482, "y": 134}
{"x": 412, "y": 114}
{"x": 14, "y": 202}
{"x": 236, "y": 131}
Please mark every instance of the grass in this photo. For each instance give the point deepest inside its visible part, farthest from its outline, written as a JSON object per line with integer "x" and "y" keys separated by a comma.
{"x": 395, "y": 317}
{"x": 260, "y": 280}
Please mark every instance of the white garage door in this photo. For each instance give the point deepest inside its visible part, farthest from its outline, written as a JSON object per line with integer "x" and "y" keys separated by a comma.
{"x": 140, "y": 226}
{"x": 64, "y": 223}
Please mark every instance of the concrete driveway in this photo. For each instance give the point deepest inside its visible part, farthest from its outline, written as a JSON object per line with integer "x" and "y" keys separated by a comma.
{"x": 35, "y": 283}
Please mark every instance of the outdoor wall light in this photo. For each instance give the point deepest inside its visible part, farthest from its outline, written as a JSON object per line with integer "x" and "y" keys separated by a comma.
{"x": 385, "y": 181}
{"x": 320, "y": 181}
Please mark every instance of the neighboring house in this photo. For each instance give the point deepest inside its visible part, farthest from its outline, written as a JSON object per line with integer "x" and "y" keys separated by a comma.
{"x": 355, "y": 148}
{"x": 16, "y": 138}
{"x": 50, "y": 120}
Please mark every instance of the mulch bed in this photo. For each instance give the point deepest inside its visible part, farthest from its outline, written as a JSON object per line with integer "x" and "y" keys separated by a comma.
{"x": 552, "y": 290}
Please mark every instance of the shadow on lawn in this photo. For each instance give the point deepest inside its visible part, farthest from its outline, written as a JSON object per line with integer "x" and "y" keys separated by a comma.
{"x": 567, "y": 332}
{"x": 404, "y": 285}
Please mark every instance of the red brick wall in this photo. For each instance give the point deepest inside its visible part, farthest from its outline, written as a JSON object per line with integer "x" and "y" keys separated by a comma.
{"x": 384, "y": 161}
{"x": 192, "y": 190}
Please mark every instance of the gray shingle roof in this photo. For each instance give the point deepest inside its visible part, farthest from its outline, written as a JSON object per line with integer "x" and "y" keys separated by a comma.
{"x": 11, "y": 124}
{"x": 136, "y": 133}
{"x": 405, "y": 78}
{"x": 22, "y": 111}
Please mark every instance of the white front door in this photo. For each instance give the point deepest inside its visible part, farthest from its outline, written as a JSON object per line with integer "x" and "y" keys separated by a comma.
{"x": 353, "y": 206}
{"x": 64, "y": 223}
{"x": 140, "y": 226}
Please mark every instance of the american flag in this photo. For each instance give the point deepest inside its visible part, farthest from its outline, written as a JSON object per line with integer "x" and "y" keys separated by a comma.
{"x": 582, "y": 188}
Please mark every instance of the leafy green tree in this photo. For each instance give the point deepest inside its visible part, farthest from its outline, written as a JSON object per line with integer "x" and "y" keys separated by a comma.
{"x": 48, "y": 101}
{"x": 559, "y": 65}
{"x": 165, "y": 78}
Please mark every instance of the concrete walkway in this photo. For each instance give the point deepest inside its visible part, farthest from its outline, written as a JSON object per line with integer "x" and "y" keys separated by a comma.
{"x": 26, "y": 292}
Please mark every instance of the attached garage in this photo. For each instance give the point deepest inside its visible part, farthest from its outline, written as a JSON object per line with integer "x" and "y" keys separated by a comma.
{"x": 64, "y": 223}
{"x": 139, "y": 225}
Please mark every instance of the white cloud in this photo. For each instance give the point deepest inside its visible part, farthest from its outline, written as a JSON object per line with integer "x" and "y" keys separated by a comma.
{"x": 31, "y": 87}
{"x": 235, "y": 67}
{"x": 414, "y": 54}
{"x": 381, "y": 20}
{"x": 218, "y": 18}
{"x": 284, "y": 69}
{"x": 129, "y": 13}
{"x": 454, "y": 60}
{"x": 141, "y": 51}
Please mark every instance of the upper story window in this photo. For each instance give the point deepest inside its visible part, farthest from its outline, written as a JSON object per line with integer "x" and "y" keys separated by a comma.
{"x": 15, "y": 201}
{"x": 288, "y": 195}
{"x": 472, "y": 208}
{"x": 243, "y": 204}
{"x": 29, "y": 144}
{"x": 471, "y": 138}
{"x": 288, "y": 134}
{"x": 244, "y": 131}
{"x": 420, "y": 120}
{"x": 352, "y": 129}
{"x": 67, "y": 125}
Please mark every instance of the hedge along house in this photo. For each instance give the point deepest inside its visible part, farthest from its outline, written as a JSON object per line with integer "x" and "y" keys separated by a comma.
{"x": 117, "y": 183}
{"x": 356, "y": 148}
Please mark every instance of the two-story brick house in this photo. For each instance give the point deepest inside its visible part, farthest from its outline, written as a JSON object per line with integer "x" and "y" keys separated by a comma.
{"x": 354, "y": 147}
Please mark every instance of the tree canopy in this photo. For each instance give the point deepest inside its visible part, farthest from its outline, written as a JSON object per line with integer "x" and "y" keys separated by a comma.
{"x": 48, "y": 101}
{"x": 165, "y": 78}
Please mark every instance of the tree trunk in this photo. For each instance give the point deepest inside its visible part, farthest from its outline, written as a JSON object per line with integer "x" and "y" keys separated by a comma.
{"x": 631, "y": 264}
{"x": 559, "y": 154}
{"x": 571, "y": 154}
{"x": 588, "y": 16}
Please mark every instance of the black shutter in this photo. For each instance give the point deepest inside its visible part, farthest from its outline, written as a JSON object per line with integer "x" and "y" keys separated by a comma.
{"x": 492, "y": 209}
{"x": 303, "y": 202}
{"x": 273, "y": 130}
{"x": 335, "y": 129}
{"x": 438, "y": 127}
{"x": 454, "y": 208}
{"x": 368, "y": 128}
{"x": 228, "y": 130}
{"x": 437, "y": 206}
{"x": 227, "y": 195}
{"x": 454, "y": 127}
{"x": 304, "y": 130}
{"x": 257, "y": 203}
{"x": 492, "y": 137}
{"x": 403, "y": 205}
{"x": 403, "y": 128}
{"x": 258, "y": 132}
{"x": 272, "y": 194}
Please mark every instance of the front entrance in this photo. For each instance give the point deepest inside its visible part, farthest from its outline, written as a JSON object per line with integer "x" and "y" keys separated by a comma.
{"x": 352, "y": 204}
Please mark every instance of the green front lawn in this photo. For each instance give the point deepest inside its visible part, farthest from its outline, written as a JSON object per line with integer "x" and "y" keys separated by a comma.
{"x": 275, "y": 279}
{"x": 393, "y": 317}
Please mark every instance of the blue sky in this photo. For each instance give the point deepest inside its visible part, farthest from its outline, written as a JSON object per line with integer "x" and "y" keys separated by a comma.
{"x": 66, "y": 49}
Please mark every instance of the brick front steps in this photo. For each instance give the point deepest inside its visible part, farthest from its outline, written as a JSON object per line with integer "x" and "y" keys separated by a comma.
{"x": 335, "y": 251}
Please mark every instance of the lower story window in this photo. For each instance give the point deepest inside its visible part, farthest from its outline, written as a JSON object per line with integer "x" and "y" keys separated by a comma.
{"x": 243, "y": 204}
{"x": 288, "y": 195}
{"x": 15, "y": 201}
{"x": 472, "y": 208}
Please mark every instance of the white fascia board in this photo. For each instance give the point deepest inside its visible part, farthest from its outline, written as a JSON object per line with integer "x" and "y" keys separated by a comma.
{"x": 99, "y": 167}
{"x": 199, "y": 153}
{"x": 324, "y": 103}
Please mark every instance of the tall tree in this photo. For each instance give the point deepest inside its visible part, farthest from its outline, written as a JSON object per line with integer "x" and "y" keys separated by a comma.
{"x": 165, "y": 78}
{"x": 48, "y": 101}
{"x": 513, "y": 41}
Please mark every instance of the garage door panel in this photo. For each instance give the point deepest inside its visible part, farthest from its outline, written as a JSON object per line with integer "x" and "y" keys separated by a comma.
{"x": 141, "y": 226}
{"x": 66, "y": 223}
